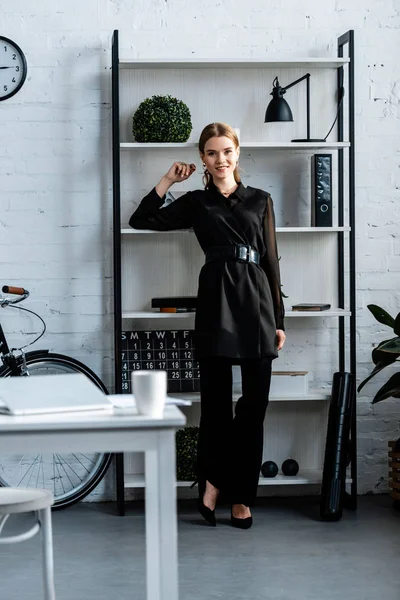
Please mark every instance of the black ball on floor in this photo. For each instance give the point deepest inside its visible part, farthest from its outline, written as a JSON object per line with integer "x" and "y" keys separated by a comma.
{"x": 269, "y": 469}
{"x": 290, "y": 467}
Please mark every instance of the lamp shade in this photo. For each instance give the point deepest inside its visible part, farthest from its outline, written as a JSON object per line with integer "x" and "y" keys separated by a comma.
{"x": 278, "y": 110}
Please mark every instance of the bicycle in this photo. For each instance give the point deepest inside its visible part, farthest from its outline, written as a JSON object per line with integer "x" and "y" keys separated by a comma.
{"x": 70, "y": 477}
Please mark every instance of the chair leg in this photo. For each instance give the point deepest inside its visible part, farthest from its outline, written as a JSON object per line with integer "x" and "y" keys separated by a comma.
{"x": 48, "y": 563}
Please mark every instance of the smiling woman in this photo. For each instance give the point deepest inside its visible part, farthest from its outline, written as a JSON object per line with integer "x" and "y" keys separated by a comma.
{"x": 219, "y": 150}
{"x": 239, "y": 314}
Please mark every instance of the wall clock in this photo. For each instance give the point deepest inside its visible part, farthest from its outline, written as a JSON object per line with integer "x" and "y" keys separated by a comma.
{"x": 13, "y": 68}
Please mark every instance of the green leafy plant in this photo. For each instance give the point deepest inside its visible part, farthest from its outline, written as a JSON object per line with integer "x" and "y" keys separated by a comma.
{"x": 386, "y": 353}
{"x": 186, "y": 452}
{"x": 162, "y": 119}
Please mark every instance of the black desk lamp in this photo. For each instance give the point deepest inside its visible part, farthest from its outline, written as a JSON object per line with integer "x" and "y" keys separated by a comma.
{"x": 279, "y": 110}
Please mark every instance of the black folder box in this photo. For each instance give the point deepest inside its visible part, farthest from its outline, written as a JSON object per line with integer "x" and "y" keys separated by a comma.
{"x": 174, "y": 302}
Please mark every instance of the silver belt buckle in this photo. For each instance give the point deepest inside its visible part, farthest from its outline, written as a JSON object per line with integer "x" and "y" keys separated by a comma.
{"x": 244, "y": 254}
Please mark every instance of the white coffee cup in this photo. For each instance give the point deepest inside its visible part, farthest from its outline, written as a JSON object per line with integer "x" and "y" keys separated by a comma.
{"x": 150, "y": 389}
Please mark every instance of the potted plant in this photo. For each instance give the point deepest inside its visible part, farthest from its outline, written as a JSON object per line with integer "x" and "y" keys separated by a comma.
{"x": 387, "y": 353}
{"x": 186, "y": 451}
{"x": 162, "y": 119}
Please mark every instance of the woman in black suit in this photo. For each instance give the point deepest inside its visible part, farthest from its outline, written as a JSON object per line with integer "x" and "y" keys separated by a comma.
{"x": 239, "y": 314}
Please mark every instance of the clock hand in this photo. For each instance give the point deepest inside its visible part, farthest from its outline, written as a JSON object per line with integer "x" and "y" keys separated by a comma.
{"x": 5, "y": 67}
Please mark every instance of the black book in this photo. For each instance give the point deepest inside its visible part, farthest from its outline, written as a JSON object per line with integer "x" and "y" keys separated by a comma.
{"x": 174, "y": 302}
{"x": 311, "y": 307}
{"x": 178, "y": 309}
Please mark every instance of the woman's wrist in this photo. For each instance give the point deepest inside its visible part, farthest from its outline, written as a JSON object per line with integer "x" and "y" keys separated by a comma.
{"x": 163, "y": 186}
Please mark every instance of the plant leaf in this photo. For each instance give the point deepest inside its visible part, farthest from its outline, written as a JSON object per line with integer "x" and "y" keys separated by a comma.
{"x": 391, "y": 389}
{"x": 397, "y": 325}
{"x": 378, "y": 368}
{"x": 379, "y": 355}
{"x": 392, "y": 346}
{"x": 381, "y": 315}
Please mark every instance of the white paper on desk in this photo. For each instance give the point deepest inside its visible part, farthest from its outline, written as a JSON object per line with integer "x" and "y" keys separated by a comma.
{"x": 178, "y": 401}
{"x": 43, "y": 394}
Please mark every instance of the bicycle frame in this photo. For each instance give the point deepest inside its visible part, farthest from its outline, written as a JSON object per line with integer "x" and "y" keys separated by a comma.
{"x": 16, "y": 363}
{"x": 7, "y": 357}
{"x": 71, "y": 477}
{"x": 4, "y": 349}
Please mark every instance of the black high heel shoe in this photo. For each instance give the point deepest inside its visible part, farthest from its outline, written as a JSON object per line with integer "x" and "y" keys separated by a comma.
{"x": 241, "y": 523}
{"x": 206, "y": 513}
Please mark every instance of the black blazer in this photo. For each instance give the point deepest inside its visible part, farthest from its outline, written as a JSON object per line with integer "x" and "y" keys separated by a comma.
{"x": 239, "y": 305}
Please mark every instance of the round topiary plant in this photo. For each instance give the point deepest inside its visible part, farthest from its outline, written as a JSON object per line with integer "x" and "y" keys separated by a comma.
{"x": 186, "y": 452}
{"x": 162, "y": 119}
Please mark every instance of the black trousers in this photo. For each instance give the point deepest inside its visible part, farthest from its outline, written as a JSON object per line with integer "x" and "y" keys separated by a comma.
{"x": 229, "y": 451}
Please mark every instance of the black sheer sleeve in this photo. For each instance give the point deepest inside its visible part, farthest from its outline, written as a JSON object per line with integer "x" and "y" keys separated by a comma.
{"x": 150, "y": 215}
{"x": 270, "y": 263}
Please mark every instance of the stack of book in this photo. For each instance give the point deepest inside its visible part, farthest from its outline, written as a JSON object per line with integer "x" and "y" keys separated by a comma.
{"x": 177, "y": 304}
{"x": 311, "y": 307}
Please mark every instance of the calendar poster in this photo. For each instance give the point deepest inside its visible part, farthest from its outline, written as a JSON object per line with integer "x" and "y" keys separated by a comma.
{"x": 169, "y": 350}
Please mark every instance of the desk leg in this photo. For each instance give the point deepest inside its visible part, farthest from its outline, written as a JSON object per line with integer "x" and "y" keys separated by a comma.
{"x": 119, "y": 474}
{"x": 161, "y": 519}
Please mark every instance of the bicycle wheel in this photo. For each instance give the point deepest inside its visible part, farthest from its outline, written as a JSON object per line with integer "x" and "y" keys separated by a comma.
{"x": 70, "y": 477}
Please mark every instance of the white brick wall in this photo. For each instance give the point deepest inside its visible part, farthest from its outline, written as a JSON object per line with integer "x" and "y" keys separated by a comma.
{"x": 55, "y": 160}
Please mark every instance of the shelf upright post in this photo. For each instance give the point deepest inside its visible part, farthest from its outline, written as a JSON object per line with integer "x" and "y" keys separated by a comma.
{"x": 340, "y": 249}
{"x": 348, "y": 38}
{"x": 117, "y": 254}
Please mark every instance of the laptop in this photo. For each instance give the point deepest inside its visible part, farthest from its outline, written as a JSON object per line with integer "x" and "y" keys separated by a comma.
{"x": 40, "y": 394}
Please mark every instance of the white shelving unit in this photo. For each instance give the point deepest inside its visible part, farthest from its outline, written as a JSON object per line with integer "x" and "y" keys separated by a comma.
{"x": 314, "y": 395}
{"x": 306, "y": 478}
{"x": 278, "y": 230}
{"x": 148, "y": 314}
{"x": 231, "y": 63}
{"x": 167, "y": 263}
{"x": 247, "y": 145}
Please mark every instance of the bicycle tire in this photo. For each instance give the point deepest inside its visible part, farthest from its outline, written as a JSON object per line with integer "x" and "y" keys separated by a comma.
{"x": 56, "y": 479}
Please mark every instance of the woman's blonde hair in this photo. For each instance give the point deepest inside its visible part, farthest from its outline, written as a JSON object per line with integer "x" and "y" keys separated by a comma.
{"x": 217, "y": 130}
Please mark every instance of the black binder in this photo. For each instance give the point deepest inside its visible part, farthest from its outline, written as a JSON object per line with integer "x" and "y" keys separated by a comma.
{"x": 336, "y": 447}
{"x": 321, "y": 168}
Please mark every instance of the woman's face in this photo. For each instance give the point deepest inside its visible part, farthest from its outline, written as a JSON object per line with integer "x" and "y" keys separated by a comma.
{"x": 220, "y": 157}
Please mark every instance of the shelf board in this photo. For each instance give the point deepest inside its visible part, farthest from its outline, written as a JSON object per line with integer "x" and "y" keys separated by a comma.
{"x": 134, "y": 480}
{"x": 305, "y": 477}
{"x": 233, "y": 63}
{"x": 332, "y": 312}
{"x": 147, "y": 314}
{"x": 130, "y": 231}
{"x": 249, "y": 145}
{"x": 315, "y": 395}
{"x": 311, "y": 229}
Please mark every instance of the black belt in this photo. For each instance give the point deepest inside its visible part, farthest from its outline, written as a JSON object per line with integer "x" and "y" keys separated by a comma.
{"x": 240, "y": 252}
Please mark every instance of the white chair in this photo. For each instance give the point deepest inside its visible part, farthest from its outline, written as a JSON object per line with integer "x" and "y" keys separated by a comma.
{"x": 21, "y": 500}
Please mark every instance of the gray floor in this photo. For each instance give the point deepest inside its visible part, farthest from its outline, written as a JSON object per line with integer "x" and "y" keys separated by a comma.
{"x": 289, "y": 554}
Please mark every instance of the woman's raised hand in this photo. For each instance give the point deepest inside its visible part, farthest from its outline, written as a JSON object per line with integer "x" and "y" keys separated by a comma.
{"x": 180, "y": 171}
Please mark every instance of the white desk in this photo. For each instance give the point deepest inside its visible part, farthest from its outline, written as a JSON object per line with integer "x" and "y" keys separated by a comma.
{"x": 104, "y": 431}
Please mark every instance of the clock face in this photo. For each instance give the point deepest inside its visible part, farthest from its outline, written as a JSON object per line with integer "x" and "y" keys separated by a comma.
{"x": 13, "y": 68}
